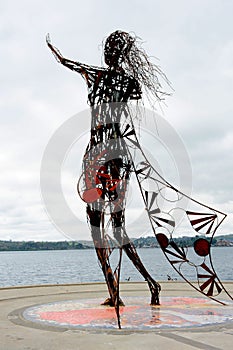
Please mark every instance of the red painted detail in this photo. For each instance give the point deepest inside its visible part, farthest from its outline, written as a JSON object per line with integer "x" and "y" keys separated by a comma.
{"x": 163, "y": 240}
{"x": 202, "y": 247}
{"x": 91, "y": 195}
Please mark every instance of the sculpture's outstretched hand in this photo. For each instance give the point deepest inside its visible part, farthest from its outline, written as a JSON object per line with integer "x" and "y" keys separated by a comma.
{"x": 76, "y": 66}
{"x": 48, "y": 41}
{"x": 57, "y": 54}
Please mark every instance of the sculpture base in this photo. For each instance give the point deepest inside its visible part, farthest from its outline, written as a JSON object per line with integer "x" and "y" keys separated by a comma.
{"x": 88, "y": 314}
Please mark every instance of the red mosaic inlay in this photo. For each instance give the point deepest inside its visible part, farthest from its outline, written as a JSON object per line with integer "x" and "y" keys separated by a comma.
{"x": 173, "y": 312}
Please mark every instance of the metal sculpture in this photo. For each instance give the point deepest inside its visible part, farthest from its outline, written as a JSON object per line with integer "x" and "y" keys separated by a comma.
{"x": 113, "y": 153}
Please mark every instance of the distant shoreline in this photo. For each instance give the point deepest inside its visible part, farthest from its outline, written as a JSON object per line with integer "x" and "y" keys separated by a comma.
{"x": 143, "y": 242}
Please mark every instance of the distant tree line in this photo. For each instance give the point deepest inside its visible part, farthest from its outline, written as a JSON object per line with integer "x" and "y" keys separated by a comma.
{"x": 151, "y": 242}
{"x": 31, "y": 245}
{"x": 142, "y": 242}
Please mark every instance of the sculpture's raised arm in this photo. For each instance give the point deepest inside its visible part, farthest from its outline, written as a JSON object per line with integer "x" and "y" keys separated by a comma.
{"x": 84, "y": 69}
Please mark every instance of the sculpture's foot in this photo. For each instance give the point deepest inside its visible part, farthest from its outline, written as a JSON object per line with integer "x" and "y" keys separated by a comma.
{"x": 109, "y": 302}
{"x": 155, "y": 290}
{"x": 154, "y": 300}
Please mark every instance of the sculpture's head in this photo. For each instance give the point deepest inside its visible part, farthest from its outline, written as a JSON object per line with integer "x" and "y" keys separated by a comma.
{"x": 117, "y": 47}
{"x": 122, "y": 49}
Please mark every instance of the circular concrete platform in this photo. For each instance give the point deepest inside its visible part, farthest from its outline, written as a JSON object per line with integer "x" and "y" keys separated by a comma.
{"x": 137, "y": 315}
{"x": 21, "y": 306}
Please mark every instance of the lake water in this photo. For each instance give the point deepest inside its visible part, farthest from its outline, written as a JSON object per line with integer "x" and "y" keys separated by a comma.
{"x": 74, "y": 266}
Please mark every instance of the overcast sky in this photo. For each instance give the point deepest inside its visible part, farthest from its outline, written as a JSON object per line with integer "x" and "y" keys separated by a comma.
{"x": 194, "y": 42}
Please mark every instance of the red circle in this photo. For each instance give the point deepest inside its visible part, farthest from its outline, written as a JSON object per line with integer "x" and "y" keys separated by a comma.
{"x": 202, "y": 247}
{"x": 163, "y": 240}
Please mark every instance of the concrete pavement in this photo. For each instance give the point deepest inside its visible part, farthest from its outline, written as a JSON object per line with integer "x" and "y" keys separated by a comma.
{"x": 18, "y": 333}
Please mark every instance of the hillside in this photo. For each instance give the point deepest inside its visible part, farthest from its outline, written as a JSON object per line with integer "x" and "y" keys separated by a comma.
{"x": 143, "y": 242}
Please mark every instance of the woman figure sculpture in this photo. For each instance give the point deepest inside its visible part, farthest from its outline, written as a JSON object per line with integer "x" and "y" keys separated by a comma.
{"x": 107, "y": 162}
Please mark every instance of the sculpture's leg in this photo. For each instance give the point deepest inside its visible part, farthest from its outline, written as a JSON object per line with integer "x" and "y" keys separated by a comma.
{"x": 94, "y": 217}
{"x": 109, "y": 277}
{"x": 153, "y": 285}
{"x": 130, "y": 250}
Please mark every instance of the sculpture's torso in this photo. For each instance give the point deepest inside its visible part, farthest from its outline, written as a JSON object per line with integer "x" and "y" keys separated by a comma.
{"x": 110, "y": 85}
